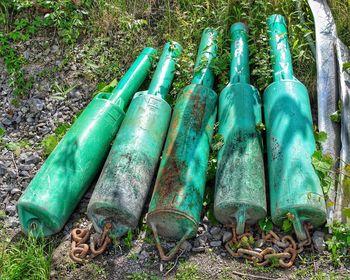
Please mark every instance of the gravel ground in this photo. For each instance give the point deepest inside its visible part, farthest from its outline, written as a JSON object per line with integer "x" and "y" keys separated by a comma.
{"x": 37, "y": 115}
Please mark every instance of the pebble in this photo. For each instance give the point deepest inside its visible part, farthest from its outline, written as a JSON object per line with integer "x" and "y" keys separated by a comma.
{"x": 12, "y": 173}
{"x": 26, "y": 54}
{"x": 318, "y": 241}
{"x": 215, "y": 243}
{"x": 227, "y": 236}
{"x": 26, "y": 167}
{"x": 11, "y": 209}
{"x": 186, "y": 246}
{"x": 3, "y": 169}
{"x": 15, "y": 191}
{"x": 215, "y": 230}
{"x": 37, "y": 105}
{"x": 200, "y": 240}
{"x": 24, "y": 173}
{"x": 198, "y": 249}
{"x": 12, "y": 221}
{"x": 30, "y": 158}
{"x": 6, "y": 121}
{"x": 143, "y": 255}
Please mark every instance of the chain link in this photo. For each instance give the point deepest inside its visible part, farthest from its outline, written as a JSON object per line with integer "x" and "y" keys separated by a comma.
{"x": 79, "y": 249}
{"x": 287, "y": 248}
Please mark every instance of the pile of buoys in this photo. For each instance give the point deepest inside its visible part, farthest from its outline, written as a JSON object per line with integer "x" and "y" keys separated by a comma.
{"x": 174, "y": 211}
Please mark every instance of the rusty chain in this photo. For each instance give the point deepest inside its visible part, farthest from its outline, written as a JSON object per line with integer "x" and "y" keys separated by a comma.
{"x": 284, "y": 253}
{"x": 80, "y": 249}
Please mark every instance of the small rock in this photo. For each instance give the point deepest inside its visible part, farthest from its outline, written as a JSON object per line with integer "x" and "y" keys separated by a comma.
{"x": 215, "y": 230}
{"x": 186, "y": 246}
{"x": 201, "y": 229}
{"x": 143, "y": 255}
{"x": 200, "y": 240}
{"x": 3, "y": 169}
{"x": 11, "y": 209}
{"x": 24, "y": 173}
{"x": 12, "y": 173}
{"x": 75, "y": 94}
{"x": 30, "y": 158}
{"x": 215, "y": 243}
{"x": 26, "y": 167}
{"x": 227, "y": 236}
{"x": 318, "y": 241}
{"x": 217, "y": 236}
{"x": 259, "y": 243}
{"x": 6, "y": 121}
{"x": 15, "y": 191}
{"x": 26, "y": 54}
{"x": 37, "y": 105}
{"x": 198, "y": 249}
{"x": 12, "y": 222}
{"x": 54, "y": 48}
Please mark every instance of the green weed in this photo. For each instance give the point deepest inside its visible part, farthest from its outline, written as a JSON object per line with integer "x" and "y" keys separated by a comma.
{"x": 339, "y": 243}
{"x": 187, "y": 271}
{"x": 266, "y": 224}
{"x": 128, "y": 239}
{"x": 142, "y": 276}
{"x": 49, "y": 142}
{"x": 29, "y": 258}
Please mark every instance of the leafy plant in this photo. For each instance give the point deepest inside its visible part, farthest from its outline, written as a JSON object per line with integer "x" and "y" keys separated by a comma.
{"x": 339, "y": 243}
{"x": 50, "y": 141}
{"x": 104, "y": 87}
{"x": 48, "y": 144}
{"x": 266, "y": 224}
{"x": 287, "y": 226}
{"x": 323, "y": 165}
{"x": 320, "y": 137}
{"x": 336, "y": 116}
{"x": 128, "y": 239}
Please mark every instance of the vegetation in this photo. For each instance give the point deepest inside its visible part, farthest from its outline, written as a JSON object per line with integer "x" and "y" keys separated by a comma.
{"x": 50, "y": 141}
{"x": 29, "y": 258}
{"x": 339, "y": 243}
{"x": 109, "y": 35}
{"x": 187, "y": 271}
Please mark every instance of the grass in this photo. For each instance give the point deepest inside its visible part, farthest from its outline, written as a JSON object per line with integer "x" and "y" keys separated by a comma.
{"x": 187, "y": 271}
{"x": 28, "y": 258}
{"x": 142, "y": 276}
{"x": 341, "y": 11}
{"x": 143, "y": 23}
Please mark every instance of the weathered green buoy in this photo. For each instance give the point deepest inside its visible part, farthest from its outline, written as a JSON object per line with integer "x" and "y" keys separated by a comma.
{"x": 122, "y": 188}
{"x": 174, "y": 211}
{"x": 240, "y": 180}
{"x": 57, "y": 188}
{"x": 295, "y": 191}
